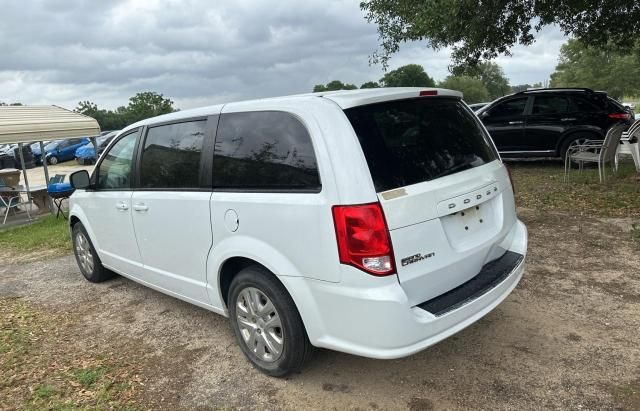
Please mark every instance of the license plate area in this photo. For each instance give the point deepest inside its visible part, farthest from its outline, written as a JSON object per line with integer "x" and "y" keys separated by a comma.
{"x": 472, "y": 226}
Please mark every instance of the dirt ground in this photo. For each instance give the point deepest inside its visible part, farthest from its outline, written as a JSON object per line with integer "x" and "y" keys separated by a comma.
{"x": 567, "y": 338}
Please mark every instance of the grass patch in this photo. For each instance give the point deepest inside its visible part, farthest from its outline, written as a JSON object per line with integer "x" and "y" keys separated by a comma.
{"x": 540, "y": 186}
{"x": 628, "y": 395}
{"x": 635, "y": 231}
{"x": 89, "y": 376}
{"x": 47, "y": 233}
{"x": 37, "y": 374}
{"x": 44, "y": 391}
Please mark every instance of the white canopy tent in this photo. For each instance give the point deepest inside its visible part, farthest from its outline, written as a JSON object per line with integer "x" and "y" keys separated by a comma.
{"x": 27, "y": 124}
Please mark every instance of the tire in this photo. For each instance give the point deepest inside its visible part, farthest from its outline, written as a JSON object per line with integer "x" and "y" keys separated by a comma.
{"x": 86, "y": 256}
{"x": 259, "y": 339}
{"x": 53, "y": 160}
{"x": 576, "y": 138}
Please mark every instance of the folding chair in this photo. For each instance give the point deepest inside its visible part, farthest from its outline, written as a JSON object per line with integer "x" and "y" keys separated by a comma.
{"x": 10, "y": 202}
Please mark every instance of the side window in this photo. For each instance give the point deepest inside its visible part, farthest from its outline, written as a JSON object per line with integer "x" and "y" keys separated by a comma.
{"x": 585, "y": 104}
{"x": 514, "y": 107}
{"x": 171, "y": 156}
{"x": 268, "y": 150}
{"x": 550, "y": 105}
{"x": 114, "y": 171}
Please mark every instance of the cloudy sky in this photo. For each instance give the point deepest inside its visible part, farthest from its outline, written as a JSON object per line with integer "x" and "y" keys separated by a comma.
{"x": 201, "y": 52}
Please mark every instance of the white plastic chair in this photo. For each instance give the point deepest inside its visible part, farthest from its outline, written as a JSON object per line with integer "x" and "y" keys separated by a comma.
{"x": 595, "y": 151}
{"x": 630, "y": 144}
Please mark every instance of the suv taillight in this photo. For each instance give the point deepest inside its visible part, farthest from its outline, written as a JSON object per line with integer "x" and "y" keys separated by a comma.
{"x": 363, "y": 238}
{"x": 620, "y": 116}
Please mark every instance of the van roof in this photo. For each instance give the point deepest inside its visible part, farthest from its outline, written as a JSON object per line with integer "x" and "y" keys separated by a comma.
{"x": 343, "y": 98}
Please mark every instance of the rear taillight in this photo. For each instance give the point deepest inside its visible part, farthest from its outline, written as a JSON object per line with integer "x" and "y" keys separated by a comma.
{"x": 424, "y": 93}
{"x": 363, "y": 238}
{"x": 620, "y": 116}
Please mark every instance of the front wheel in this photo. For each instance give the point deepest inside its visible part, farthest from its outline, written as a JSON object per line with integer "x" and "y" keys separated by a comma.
{"x": 86, "y": 256}
{"x": 53, "y": 160}
{"x": 266, "y": 323}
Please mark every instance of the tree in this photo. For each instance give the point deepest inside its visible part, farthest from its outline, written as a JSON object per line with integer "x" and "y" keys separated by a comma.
{"x": 148, "y": 104}
{"x": 606, "y": 69}
{"x": 334, "y": 85}
{"x": 473, "y": 89}
{"x": 141, "y": 106}
{"x": 520, "y": 87}
{"x": 482, "y": 31}
{"x": 411, "y": 75}
{"x": 370, "y": 84}
{"x": 493, "y": 78}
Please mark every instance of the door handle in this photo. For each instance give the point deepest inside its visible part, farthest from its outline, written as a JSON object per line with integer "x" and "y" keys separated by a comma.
{"x": 122, "y": 206}
{"x": 140, "y": 207}
{"x": 568, "y": 119}
{"x": 511, "y": 123}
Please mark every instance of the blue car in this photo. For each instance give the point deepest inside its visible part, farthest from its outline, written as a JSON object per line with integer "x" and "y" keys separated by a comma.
{"x": 63, "y": 150}
{"x": 87, "y": 153}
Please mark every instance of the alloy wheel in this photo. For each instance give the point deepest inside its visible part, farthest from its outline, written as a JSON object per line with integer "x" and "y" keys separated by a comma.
{"x": 259, "y": 324}
{"x": 83, "y": 251}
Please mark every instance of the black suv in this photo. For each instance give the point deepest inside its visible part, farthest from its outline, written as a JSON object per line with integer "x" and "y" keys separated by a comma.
{"x": 546, "y": 122}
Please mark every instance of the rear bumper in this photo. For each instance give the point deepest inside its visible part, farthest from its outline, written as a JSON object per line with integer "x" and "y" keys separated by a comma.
{"x": 379, "y": 322}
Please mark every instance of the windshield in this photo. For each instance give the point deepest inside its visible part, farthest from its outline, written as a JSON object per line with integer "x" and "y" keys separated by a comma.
{"x": 410, "y": 141}
{"x": 51, "y": 145}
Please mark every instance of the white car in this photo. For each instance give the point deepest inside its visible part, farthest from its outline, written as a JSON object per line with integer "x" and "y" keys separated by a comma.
{"x": 374, "y": 222}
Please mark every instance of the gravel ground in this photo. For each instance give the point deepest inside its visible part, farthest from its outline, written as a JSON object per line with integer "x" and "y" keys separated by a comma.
{"x": 567, "y": 338}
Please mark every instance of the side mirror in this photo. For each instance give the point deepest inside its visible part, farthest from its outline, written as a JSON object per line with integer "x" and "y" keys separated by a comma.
{"x": 80, "y": 180}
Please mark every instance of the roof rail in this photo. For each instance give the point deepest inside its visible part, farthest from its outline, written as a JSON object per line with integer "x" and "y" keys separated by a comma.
{"x": 588, "y": 90}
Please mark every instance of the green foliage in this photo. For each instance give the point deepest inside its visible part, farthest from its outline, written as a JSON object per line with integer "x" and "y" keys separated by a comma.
{"x": 601, "y": 68}
{"x": 142, "y": 105}
{"x": 520, "y": 87}
{"x": 482, "y": 31}
{"x": 334, "y": 85}
{"x": 473, "y": 89}
{"x": 370, "y": 84}
{"x": 493, "y": 78}
{"x": 411, "y": 75}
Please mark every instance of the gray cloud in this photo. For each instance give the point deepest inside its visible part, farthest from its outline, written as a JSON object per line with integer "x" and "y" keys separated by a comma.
{"x": 199, "y": 52}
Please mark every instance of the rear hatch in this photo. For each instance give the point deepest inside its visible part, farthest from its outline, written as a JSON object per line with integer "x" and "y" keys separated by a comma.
{"x": 445, "y": 194}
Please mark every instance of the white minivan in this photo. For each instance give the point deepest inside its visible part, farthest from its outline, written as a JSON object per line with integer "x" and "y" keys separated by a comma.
{"x": 374, "y": 222}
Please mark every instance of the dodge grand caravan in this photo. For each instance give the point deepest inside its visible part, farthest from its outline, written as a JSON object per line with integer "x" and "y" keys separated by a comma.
{"x": 374, "y": 222}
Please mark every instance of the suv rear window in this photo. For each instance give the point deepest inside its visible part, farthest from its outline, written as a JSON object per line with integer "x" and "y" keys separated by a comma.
{"x": 410, "y": 141}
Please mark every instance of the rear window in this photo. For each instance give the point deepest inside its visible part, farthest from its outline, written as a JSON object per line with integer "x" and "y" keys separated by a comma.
{"x": 410, "y": 141}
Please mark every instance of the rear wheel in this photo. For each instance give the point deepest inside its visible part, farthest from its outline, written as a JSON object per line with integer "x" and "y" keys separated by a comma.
{"x": 266, "y": 323}
{"x": 53, "y": 160}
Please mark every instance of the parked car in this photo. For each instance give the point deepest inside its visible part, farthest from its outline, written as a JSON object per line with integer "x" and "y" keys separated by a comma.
{"x": 87, "y": 153}
{"x": 374, "y": 222}
{"x": 546, "y": 122}
{"x": 37, "y": 154}
{"x": 477, "y": 106}
{"x": 63, "y": 150}
{"x": 10, "y": 156}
